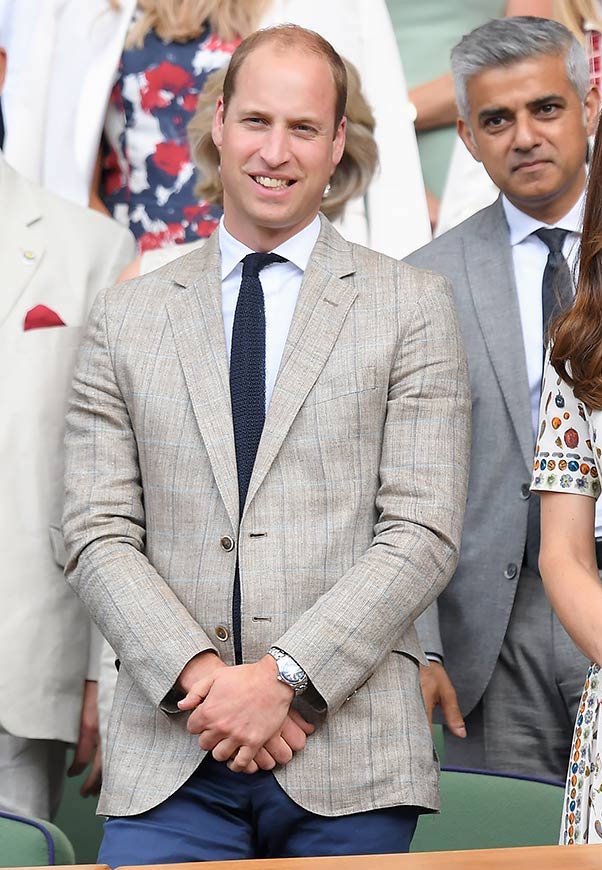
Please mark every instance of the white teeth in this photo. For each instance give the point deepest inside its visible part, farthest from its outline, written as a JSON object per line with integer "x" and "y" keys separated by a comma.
{"x": 265, "y": 181}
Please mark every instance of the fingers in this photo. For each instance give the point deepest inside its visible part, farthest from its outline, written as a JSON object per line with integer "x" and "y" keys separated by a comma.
{"x": 84, "y": 751}
{"x": 298, "y": 719}
{"x": 242, "y": 760}
{"x": 451, "y": 709}
{"x": 264, "y": 760}
{"x": 93, "y": 781}
{"x": 293, "y": 735}
{"x": 279, "y": 749}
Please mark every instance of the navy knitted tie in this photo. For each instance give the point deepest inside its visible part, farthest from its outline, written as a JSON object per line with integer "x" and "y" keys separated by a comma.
{"x": 247, "y": 391}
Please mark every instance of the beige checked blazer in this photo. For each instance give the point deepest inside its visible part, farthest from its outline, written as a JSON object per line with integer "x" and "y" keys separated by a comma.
{"x": 350, "y": 529}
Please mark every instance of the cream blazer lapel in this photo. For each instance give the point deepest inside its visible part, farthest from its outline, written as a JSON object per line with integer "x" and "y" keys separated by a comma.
{"x": 196, "y": 319}
{"x": 24, "y": 252}
{"x": 323, "y": 303}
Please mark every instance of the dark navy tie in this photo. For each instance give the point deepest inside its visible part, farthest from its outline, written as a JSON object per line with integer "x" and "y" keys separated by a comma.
{"x": 247, "y": 390}
{"x": 556, "y": 295}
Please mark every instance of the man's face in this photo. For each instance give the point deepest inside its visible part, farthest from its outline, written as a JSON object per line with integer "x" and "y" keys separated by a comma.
{"x": 529, "y": 129}
{"x": 277, "y": 144}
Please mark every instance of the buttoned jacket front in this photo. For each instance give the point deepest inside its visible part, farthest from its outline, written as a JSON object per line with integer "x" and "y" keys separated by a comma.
{"x": 349, "y": 530}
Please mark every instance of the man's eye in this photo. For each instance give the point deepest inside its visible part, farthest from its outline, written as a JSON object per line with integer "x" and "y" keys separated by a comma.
{"x": 548, "y": 109}
{"x": 254, "y": 121}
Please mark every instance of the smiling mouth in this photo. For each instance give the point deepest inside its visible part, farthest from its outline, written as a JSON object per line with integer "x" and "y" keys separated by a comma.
{"x": 272, "y": 183}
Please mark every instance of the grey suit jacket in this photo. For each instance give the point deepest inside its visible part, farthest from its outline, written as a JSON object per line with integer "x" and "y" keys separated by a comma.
{"x": 468, "y": 622}
{"x": 350, "y": 528}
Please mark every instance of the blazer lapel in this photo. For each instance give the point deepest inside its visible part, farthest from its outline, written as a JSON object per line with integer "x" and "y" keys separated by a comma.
{"x": 323, "y": 304}
{"x": 493, "y": 288}
{"x": 196, "y": 319}
{"x": 24, "y": 251}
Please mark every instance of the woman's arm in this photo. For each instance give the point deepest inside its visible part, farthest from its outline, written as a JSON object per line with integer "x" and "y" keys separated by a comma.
{"x": 567, "y": 561}
{"x": 95, "y": 200}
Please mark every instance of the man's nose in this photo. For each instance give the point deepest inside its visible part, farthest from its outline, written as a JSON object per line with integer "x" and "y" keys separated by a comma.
{"x": 275, "y": 146}
{"x": 526, "y": 134}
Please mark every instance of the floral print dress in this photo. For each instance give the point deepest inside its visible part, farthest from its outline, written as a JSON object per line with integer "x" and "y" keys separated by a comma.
{"x": 148, "y": 176}
{"x": 568, "y": 459}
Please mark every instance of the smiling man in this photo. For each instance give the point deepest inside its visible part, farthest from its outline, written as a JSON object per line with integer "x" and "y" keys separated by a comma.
{"x": 266, "y": 467}
{"x": 526, "y": 110}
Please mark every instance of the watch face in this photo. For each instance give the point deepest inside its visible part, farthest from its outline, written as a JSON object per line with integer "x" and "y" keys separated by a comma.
{"x": 291, "y": 672}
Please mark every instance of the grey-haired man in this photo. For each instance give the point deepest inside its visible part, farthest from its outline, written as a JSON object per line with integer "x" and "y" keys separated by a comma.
{"x": 526, "y": 109}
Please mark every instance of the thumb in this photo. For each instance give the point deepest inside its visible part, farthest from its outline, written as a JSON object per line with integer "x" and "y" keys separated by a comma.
{"x": 452, "y": 713}
{"x": 196, "y": 694}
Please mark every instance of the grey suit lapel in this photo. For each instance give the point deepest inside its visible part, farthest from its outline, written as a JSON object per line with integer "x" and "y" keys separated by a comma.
{"x": 492, "y": 284}
{"x": 23, "y": 250}
{"x": 323, "y": 304}
{"x": 196, "y": 319}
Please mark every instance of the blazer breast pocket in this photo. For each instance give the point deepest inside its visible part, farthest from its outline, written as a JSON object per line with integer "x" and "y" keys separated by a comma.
{"x": 49, "y": 341}
{"x": 346, "y": 383}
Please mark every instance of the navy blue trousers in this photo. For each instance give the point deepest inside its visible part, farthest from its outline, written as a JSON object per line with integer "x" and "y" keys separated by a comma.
{"x": 219, "y": 815}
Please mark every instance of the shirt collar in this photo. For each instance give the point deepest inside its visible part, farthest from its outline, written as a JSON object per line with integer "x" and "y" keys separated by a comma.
{"x": 522, "y": 225}
{"x": 296, "y": 250}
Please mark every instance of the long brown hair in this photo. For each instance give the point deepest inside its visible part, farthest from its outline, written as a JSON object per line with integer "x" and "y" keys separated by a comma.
{"x": 181, "y": 20}
{"x": 349, "y": 180}
{"x": 577, "y": 334}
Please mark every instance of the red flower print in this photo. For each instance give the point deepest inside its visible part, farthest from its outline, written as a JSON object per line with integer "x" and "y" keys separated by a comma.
{"x": 170, "y": 156}
{"x": 172, "y": 234}
{"x": 163, "y": 83}
{"x": 214, "y": 43}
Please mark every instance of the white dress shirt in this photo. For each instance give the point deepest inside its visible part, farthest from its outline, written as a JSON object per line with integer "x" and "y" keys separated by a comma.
{"x": 281, "y": 283}
{"x": 529, "y": 256}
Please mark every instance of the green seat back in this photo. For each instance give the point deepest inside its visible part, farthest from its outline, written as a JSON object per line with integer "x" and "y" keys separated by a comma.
{"x": 484, "y": 811}
{"x": 32, "y": 843}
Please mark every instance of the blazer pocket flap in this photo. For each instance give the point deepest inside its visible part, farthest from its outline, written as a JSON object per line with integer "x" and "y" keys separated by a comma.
{"x": 344, "y": 384}
{"x": 57, "y": 542}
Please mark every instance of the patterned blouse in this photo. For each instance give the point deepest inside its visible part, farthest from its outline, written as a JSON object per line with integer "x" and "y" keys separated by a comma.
{"x": 148, "y": 174}
{"x": 567, "y": 458}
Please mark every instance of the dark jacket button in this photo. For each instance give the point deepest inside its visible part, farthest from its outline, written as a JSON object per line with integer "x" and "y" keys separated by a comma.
{"x": 525, "y": 491}
{"x": 227, "y": 543}
{"x": 511, "y": 571}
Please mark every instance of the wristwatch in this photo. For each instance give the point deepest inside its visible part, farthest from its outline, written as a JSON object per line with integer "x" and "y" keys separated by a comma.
{"x": 289, "y": 671}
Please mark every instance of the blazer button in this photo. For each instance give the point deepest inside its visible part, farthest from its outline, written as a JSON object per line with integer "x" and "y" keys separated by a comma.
{"x": 525, "y": 491}
{"x": 222, "y": 633}
{"x": 511, "y": 571}
{"x": 227, "y": 543}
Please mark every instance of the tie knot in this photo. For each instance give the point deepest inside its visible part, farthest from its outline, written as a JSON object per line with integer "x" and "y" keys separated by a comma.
{"x": 252, "y": 264}
{"x": 553, "y": 239}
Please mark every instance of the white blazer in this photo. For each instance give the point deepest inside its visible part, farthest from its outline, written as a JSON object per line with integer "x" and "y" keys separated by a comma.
{"x": 56, "y": 115}
{"x": 58, "y": 255}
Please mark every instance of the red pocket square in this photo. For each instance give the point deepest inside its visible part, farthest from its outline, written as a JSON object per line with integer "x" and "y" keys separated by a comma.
{"x": 40, "y": 317}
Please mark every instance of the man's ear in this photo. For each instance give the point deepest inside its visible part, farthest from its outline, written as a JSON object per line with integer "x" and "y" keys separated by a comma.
{"x": 217, "y": 128}
{"x": 591, "y": 110}
{"x": 465, "y": 134}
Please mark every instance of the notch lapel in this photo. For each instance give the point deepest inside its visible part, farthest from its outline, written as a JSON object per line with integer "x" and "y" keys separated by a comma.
{"x": 323, "y": 304}
{"x": 24, "y": 249}
{"x": 492, "y": 285}
{"x": 197, "y": 323}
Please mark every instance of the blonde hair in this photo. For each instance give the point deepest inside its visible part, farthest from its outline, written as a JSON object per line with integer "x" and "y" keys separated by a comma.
{"x": 575, "y": 13}
{"x": 351, "y": 177}
{"x": 182, "y": 20}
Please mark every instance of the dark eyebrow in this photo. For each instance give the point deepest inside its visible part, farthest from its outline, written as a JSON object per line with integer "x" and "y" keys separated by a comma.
{"x": 544, "y": 101}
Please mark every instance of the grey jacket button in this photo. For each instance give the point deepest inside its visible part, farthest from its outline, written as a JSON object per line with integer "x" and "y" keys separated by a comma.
{"x": 525, "y": 492}
{"x": 222, "y": 633}
{"x": 227, "y": 543}
{"x": 511, "y": 571}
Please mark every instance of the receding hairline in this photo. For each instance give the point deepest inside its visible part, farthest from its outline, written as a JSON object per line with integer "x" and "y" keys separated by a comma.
{"x": 281, "y": 38}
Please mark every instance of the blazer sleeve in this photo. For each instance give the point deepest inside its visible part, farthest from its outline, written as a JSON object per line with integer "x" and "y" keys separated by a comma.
{"x": 151, "y": 631}
{"x": 344, "y": 636}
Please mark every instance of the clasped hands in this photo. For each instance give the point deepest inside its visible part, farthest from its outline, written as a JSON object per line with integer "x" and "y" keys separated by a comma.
{"x": 242, "y": 713}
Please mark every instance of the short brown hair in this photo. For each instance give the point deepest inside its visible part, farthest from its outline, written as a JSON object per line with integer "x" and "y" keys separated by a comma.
{"x": 291, "y": 36}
